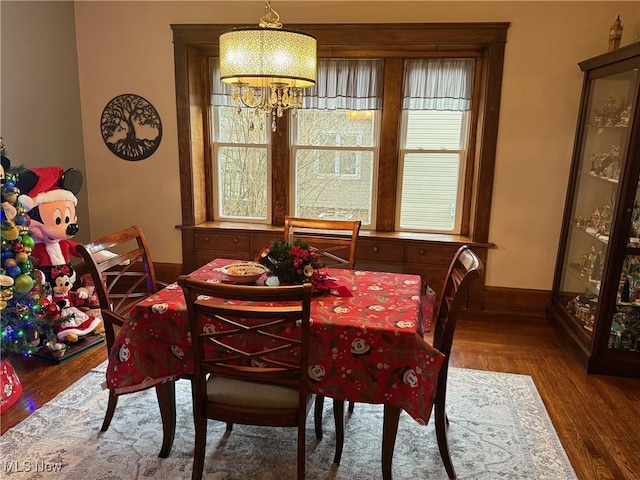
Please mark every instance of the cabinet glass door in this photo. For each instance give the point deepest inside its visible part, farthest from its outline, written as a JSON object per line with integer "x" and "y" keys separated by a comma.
{"x": 605, "y": 137}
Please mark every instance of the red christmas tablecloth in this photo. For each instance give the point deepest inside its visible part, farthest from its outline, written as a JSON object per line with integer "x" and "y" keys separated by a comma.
{"x": 365, "y": 348}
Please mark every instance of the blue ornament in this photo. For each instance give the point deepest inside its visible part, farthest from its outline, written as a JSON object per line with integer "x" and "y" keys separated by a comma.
{"x": 7, "y": 254}
{"x": 13, "y": 272}
{"x": 9, "y": 184}
{"x": 20, "y": 220}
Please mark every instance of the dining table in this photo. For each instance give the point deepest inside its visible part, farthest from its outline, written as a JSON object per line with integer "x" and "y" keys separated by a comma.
{"x": 366, "y": 344}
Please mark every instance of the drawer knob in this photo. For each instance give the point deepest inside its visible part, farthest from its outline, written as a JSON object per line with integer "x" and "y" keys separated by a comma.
{"x": 235, "y": 240}
{"x": 422, "y": 252}
{"x": 207, "y": 239}
{"x": 375, "y": 249}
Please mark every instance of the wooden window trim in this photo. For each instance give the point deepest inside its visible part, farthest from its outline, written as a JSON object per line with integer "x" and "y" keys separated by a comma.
{"x": 194, "y": 44}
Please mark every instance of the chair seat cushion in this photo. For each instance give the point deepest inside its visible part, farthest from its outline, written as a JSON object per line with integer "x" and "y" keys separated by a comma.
{"x": 231, "y": 391}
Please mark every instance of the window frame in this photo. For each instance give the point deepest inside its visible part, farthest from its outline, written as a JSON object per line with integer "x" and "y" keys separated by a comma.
{"x": 194, "y": 44}
{"x": 462, "y": 181}
{"x": 216, "y": 145}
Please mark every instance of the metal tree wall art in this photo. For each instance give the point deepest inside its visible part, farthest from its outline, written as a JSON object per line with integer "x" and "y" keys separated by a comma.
{"x": 131, "y": 127}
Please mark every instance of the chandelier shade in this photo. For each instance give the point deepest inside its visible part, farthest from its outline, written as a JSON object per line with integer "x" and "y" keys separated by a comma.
{"x": 267, "y": 67}
{"x": 259, "y": 57}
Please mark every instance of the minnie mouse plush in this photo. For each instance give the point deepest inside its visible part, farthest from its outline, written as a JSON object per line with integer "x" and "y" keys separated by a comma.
{"x": 74, "y": 322}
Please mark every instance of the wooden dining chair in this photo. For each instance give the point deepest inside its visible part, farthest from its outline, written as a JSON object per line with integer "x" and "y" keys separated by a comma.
{"x": 122, "y": 271}
{"x": 464, "y": 269}
{"x": 335, "y": 241}
{"x": 235, "y": 382}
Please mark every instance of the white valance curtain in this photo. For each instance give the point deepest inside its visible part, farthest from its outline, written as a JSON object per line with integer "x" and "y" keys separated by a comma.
{"x": 438, "y": 84}
{"x": 356, "y": 84}
{"x": 341, "y": 84}
{"x": 345, "y": 84}
{"x": 220, "y": 92}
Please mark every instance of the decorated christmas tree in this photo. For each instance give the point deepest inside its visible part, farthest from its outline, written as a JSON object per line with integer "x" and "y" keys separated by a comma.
{"x": 24, "y": 327}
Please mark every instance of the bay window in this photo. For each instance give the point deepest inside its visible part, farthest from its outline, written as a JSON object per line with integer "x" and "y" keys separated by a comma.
{"x": 399, "y": 132}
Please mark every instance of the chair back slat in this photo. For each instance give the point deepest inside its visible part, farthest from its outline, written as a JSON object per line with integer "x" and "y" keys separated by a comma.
{"x": 464, "y": 269}
{"x": 122, "y": 271}
{"x": 334, "y": 240}
{"x": 263, "y": 336}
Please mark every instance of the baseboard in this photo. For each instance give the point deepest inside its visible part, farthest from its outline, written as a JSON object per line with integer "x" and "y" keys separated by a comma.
{"x": 167, "y": 272}
{"x": 515, "y": 301}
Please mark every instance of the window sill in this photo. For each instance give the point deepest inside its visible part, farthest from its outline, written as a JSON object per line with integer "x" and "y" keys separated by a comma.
{"x": 437, "y": 238}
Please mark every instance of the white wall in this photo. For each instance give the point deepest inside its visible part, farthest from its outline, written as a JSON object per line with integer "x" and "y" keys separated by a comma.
{"x": 126, "y": 47}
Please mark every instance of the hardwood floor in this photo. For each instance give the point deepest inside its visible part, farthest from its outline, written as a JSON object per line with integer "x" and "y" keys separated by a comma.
{"x": 42, "y": 380}
{"x": 597, "y": 417}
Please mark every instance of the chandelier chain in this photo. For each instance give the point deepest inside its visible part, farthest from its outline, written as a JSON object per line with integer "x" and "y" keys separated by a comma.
{"x": 271, "y": 19}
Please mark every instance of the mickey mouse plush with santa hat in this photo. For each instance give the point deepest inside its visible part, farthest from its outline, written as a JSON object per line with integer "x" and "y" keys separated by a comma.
{"x": 48, "y": 198}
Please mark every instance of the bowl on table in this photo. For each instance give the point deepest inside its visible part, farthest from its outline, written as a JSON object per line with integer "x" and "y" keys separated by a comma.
{"x": 243, "y": 272}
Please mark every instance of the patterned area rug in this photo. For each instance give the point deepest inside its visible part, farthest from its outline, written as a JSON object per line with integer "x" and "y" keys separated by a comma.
{"x": 499, "y": 428}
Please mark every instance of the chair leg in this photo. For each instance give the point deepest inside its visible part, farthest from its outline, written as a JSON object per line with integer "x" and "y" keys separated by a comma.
{"x": 199, "y": 449}
{"x": 111, "y": 407}
{"x": 166, "y": 393}
{"x": 302, "y": 454}
{"x": 317, "y": 415}
{"x": 338, "y": 415}
{"x": 389, "y": 432}
{"x": 351, "y": 405}
{"x": 229, "y": 426}
{"x": 442, "y": 424}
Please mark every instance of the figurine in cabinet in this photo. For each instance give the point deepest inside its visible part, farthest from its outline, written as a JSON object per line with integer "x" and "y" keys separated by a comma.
{"x": 594, "y": 221}
{"x": 584, "y": 307}
{"x": 596, "y": 273}
{"x": 587, "y": 262}
{"x": 625, "y": 328}
{"x": 615, "y": 165}
{"x": 591, "y": 258}
{"x": 597, "y": 164}
{"x": 610, "y": 114}
{"x": 625, "y": 115}
{"x": 606, "y": 165}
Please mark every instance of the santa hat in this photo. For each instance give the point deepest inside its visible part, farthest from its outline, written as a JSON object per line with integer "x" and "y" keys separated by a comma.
{"x": 51, "y": 184}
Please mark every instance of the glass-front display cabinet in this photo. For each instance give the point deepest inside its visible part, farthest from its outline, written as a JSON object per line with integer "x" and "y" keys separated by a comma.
{"x": 596, "y": 289}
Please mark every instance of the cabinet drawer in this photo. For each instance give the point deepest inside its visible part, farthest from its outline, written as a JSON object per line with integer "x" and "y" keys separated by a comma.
{"x": 229, "y": 242}
{"x": 431, "y": 254}
{"x": 261, "y": 240}
{"x": 378, "y": 251}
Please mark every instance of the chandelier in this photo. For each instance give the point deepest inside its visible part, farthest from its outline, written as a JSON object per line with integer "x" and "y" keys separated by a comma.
{"x": 268, "y": 66}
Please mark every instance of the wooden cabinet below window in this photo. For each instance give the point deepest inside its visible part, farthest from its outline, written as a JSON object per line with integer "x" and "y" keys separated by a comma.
{"x": 408, "y": 253}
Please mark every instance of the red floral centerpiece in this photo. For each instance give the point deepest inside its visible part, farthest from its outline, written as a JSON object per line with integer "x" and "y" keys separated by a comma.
{"x": 291, "y": 263}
